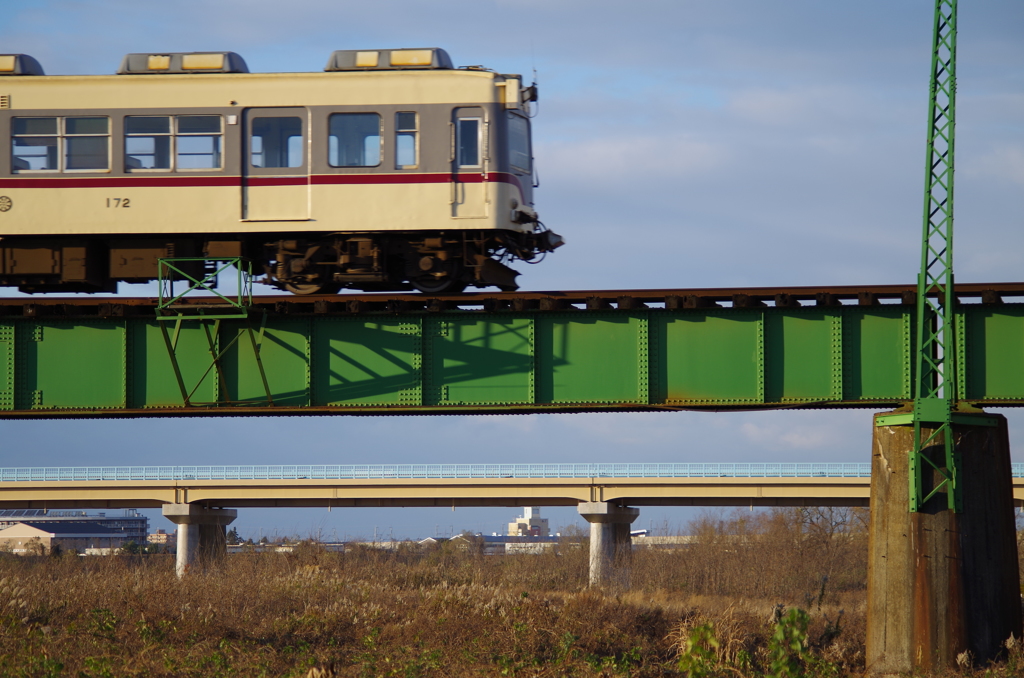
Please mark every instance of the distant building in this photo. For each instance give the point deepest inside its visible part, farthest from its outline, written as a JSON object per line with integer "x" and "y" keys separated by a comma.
{"x": 39, "y": 538}
{"x": 530, "y": 524}
{"x": 163, "y": 538}
{"x": 132, "y": 524}
{"x": 669, "y": 542}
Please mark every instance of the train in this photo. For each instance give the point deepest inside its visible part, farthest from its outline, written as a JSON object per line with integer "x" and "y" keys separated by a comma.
{"x": 389, "y": 170}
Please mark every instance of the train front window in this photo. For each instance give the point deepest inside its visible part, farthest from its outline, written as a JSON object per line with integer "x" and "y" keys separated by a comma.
{"x": 405, "y": 140}
{"x": 519, "y": 142}
{"x": 468, "y": 132}
{"x": 276, "y": 142}
{"x": 60, "y": 144}
{"x": 164, "y": 142}
{"x": 354, "y": 140}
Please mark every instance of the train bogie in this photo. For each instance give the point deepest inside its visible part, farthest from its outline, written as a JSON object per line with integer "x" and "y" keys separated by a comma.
{"x": 391, "y": 170}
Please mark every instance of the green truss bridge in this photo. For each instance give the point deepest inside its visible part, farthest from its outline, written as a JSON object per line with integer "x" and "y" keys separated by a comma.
{"x": 755, "y": 348}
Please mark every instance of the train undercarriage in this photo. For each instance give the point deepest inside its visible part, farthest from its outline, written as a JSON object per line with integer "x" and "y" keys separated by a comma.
{"x": 434, "y": 262}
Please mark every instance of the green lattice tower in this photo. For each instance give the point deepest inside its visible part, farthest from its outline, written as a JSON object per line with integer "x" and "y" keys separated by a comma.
{"x": 935, "y": 390}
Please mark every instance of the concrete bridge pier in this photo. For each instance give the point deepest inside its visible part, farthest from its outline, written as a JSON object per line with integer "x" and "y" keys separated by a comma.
{"x": 943, "y": 587}
{"x": 202, "y": 534}
{"x": 610, "y": 543}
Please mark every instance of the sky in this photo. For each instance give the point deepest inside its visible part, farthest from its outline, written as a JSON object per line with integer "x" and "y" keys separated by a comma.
{"x": 679, "y": 144}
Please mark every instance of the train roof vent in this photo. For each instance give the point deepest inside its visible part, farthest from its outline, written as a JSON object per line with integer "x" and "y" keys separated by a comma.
{"x": 182, "y": 62}
{"x": 388, "y": 59}
{"x": 19, "y": 64}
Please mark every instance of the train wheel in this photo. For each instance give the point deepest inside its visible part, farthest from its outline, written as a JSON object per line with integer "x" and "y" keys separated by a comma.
{"x": 311, "y": 288}
{"x": 446, "y": 285}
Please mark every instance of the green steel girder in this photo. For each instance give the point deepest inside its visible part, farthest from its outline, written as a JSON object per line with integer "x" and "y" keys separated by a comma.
{"x": 714, "y": 358}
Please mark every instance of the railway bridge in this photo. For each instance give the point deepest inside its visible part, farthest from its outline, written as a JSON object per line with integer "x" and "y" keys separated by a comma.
{"x": 590, "y": 351}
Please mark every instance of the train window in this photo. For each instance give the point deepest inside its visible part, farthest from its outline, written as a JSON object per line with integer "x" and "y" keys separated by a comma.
{"x": 183, "y": 142}
{"x": 147, "y": 143}
{"x": 198, "y": 142}
{"x": 35, "y": 144}
{"x": 86, "y": 143}
{"x": 276, "y": 142}
{"x": 519, "y": 142}
{"x": 468, "y": 140}
{"x": 405, "y": 140}
{"x": 60, "y": 144}
{"x": 354, "y": 140}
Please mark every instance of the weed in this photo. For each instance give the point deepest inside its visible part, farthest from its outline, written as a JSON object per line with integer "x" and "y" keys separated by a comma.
{"x": 698, "y": 611}
{"x": 699, "y": 656}
{"x": 788, "y": 647}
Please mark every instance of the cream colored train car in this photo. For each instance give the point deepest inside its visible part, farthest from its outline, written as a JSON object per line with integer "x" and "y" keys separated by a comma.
{"x": 389, "y": 170}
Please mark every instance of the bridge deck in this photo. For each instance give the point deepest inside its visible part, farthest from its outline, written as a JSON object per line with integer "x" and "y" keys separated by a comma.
{"x": 444, "y": 485}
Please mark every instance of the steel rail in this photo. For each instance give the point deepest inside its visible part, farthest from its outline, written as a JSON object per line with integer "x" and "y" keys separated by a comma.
{"x": 377, "y": 302}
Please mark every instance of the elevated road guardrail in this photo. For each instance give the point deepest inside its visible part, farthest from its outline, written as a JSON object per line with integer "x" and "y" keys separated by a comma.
{"x": 443, "y": 485}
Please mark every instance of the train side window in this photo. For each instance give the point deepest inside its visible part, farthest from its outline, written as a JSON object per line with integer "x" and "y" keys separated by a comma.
{"x": 276, "y": 142}
{"x": 405, "y": 140}
{"x": 354, "y": 140}
{"x": 35, "y": 144}
{"x": 519, "y": 142}
{"x": 60, "y": 144}
{"x": 147, "y": 143}
{"x": 468, "y": 140}
{"x": 87, "y": 143}
{"x": 197, "y": 143}
{"x": 164, "y": 142}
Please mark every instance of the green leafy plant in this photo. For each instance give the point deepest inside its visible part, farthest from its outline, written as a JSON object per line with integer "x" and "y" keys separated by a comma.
{"x": 788, "y": 646}
{"x": 699, "y": 656}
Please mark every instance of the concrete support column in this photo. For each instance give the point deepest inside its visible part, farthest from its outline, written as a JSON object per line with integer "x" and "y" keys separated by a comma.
{"x": 610, "y": 543}
{"x": 941, "y": 583}
{"x": 202, "y": 534}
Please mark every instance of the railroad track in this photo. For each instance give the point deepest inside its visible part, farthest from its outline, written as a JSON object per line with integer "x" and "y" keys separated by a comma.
{"x": 360, "y": 303}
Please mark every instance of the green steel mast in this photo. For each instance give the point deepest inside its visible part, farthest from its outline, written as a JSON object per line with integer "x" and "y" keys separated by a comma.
{"x": 935, "y": 388}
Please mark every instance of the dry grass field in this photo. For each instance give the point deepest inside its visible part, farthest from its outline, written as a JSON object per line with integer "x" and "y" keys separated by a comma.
{"x": 779, "y": 593}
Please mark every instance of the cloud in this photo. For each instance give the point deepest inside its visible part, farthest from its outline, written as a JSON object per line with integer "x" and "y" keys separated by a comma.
{"x": 616, "y": 160}
{"x": 774, "y": 437}
{"x": 1003, "y": 164}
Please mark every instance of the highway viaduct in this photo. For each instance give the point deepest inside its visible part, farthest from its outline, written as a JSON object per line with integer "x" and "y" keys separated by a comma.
{"x": 761, "y": 485}
{"x": 466, "y": 485}
{"x": 212, "y": 489}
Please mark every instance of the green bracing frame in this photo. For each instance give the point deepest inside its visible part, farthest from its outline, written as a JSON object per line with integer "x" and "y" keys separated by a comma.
{"x": 173, "y": 307}
{"x": 183, "y": 268}
{"x": 935, "y": 388}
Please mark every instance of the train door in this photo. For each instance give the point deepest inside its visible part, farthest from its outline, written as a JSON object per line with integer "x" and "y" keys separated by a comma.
{"x": 275, "y": 185}
{"x": 470, "y": 155}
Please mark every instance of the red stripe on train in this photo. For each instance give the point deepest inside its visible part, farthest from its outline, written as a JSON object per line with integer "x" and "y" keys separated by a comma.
{"x": 117, "y": 182}
{"x": 193, "y": 182}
